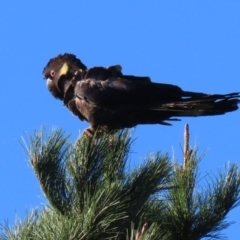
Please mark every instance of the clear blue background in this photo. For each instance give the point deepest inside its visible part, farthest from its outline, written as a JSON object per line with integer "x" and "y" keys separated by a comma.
{"x": 194, "y": 44}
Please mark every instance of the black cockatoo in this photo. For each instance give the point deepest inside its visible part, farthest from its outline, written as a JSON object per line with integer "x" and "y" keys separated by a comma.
{"x": 110, "y": 100}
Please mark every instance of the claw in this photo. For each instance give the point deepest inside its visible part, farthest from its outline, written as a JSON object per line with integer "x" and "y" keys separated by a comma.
{"x": 88, "y": 132}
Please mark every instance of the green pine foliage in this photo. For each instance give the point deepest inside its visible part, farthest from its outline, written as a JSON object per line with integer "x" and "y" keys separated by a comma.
{"x": 94, "y": 194}
{"x": 198, "y": 209}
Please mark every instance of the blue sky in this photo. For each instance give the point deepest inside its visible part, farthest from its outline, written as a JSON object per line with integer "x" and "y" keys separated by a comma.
{"x": 193, "y": 44}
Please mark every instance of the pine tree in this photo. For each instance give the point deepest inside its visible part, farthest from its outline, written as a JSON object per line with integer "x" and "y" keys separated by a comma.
{"x": 93, "y": 194}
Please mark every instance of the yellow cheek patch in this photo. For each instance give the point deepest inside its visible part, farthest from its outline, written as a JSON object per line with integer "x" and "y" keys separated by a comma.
{"x": 63, "y": 70}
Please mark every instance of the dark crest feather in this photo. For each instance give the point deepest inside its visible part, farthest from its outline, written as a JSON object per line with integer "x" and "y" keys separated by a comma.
{"x": 69, "y": 58}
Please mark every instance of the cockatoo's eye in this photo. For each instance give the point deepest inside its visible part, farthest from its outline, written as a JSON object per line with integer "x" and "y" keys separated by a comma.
{"x": 52, "y": 73}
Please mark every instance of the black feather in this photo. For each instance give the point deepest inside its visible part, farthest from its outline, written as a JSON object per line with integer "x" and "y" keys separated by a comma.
{"x": 109, "y": 99}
